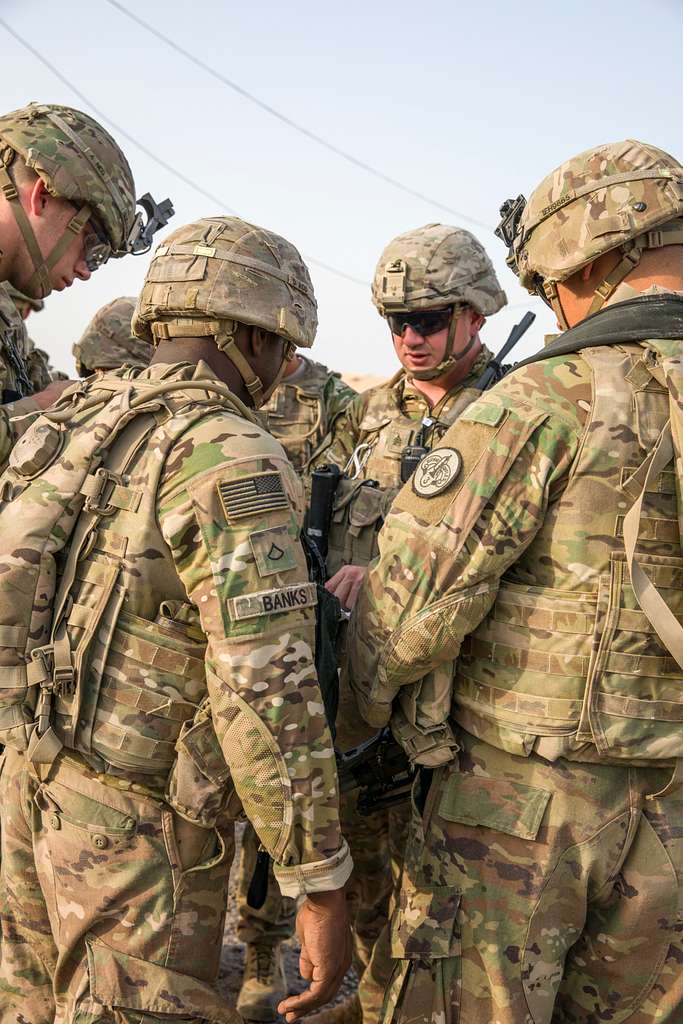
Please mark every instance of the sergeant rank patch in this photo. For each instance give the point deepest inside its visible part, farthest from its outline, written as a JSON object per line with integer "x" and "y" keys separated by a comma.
{"x": 270, "y": 602}
{"x": 436, "y": 472}
{"x": 252, "y": 495}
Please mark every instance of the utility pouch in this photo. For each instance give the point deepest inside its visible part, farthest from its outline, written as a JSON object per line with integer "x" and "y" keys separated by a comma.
{"x": 198, "y": 786}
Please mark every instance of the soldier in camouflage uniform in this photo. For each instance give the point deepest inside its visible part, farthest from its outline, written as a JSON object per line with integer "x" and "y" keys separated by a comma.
{"x": 14, "y": 371}
{"x": 177, "y": 682}
{"x": 435, "y": 286}
{"x": 36, "y": 360}
{"x": 299, "y": 413}
{"x": 108, "y": 341}
{"x": 523, "y": 627}
{"x": 67, "y": 206}
{"x": 304, "y": 406}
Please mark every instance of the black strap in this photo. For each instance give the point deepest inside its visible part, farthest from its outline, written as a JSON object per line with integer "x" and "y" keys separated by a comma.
{"x": 258, "y": 886}
{"x": 648, "y": 316}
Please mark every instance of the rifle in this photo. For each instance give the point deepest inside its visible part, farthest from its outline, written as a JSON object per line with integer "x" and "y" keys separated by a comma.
{"x": 495, "y": 371}
{"x": 380, "y": 769}
{"x": 324, "y": 483}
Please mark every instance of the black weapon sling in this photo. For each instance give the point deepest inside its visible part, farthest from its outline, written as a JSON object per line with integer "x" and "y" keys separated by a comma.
{"x": 636, "y": 320}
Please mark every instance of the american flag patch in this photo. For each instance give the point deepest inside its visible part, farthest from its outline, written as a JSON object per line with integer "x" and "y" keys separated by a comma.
{"x": 252, "y": 495}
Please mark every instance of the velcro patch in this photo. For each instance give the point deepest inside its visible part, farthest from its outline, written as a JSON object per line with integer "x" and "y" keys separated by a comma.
{"x": 271, "y": 602}
{"x": 252, "y": 495}
{"x": 273, "y": 550}
{"x": 436, "y": 472}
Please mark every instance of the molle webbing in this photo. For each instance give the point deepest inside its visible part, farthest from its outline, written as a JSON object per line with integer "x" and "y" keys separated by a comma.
{"x": 587, "y": 664}
{"x": 39, "y": 662}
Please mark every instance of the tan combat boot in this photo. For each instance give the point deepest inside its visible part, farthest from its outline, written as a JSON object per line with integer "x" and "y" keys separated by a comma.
{"x": 263, "y": 984}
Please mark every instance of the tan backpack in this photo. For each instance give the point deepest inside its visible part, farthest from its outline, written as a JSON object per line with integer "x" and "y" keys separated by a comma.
{"x": 57, "y": 486}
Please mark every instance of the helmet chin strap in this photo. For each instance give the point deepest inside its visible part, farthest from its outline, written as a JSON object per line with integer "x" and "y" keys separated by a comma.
{"x": 449, "y": 360}
{"x": 42, "y": 265}
{"x": 224, "y": 333}
{"x": 631, "y": 255}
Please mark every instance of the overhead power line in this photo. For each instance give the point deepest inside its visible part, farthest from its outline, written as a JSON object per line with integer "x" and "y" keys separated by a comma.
{"x": 331, "y": 146}
{"x": 220, "y": 203}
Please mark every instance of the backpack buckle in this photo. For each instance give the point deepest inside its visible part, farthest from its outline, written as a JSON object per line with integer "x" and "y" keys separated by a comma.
{"x": 97, "y": 488}
{"x": 39, "y": 669}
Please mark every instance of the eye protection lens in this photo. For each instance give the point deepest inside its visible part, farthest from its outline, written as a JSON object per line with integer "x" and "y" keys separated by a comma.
{"x": 96, "y": 247}
{"x": 424, "y": 323}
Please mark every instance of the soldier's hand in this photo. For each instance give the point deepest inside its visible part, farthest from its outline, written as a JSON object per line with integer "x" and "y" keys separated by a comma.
{"x": 323, "y": 931}
{"x": 346, "y": 584}
{"x": 44, "y": 399}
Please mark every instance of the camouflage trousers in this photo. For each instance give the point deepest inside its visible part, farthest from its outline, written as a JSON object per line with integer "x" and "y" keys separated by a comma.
{"x": 538, "y": 892}
{"x": 112, "y": 909}
{"x": 376, "y": 842}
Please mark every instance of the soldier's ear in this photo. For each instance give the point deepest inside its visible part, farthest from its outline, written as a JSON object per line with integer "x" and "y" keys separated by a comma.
{"x": 37, "y": 197}
{"x": 477, "y": 321}
{"x": 257, "y": 341}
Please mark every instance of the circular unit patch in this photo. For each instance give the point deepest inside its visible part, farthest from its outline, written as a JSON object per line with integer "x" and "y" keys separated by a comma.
{"x": 436, "y": 472}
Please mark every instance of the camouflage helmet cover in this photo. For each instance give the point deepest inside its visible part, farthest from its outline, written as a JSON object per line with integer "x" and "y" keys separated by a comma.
{"x": 435, "y": 266}
{"x": 225, "y": 269}
{"x": 77, "y": 159}
{"x": 108, "y": 341}
{"x": 599, "y": 200}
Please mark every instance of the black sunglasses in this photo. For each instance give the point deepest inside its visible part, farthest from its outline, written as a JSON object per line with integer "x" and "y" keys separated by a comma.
{"x": 424, "y": 322}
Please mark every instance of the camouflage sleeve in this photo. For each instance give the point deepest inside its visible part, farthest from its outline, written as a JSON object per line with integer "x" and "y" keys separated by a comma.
{"x": 230, "y": 508}
{"x": 338, "y": 446}
{"x": 444, "y": 550}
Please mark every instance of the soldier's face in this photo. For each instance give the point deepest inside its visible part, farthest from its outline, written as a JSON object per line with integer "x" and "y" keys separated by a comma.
{"x": 425, "y": 351}
{"x": 49, "y": 217}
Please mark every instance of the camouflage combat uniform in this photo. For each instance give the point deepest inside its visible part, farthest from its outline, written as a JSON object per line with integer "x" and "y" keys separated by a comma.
{"x": 303, "y": 408}
{"x": 510, "y": 618}
{"x": 108, "y": 341}
{"x": 79, "y": 161}
{"x": 14, "y": 370}
{"x": 436, "y": 265}
{"x": 187, "y": 638}
{"x": 381, "y": 423}
{"x": 36, "y": 360}
{"x": 21, "y": 374}
{"x": 298, "y": 414}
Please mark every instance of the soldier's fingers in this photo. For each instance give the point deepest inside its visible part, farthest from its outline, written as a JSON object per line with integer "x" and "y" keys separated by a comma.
{"x": 354, "y": 592}
{"x": 334, "y": 582}
{"x": 316, "y": 995}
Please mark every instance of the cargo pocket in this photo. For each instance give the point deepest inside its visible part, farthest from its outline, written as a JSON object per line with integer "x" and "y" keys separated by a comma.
{"x": 124, "y": 983}
{"x": 495, "y": 803}
{"x": 425, "y": 943}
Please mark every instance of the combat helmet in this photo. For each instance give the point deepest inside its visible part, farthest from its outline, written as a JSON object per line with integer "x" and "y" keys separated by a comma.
{"x": 433, "y": 267}
{"x": 108, "y": 341}
{"x": 622, "y": 195}
{"x": 78, "y": 161}
{"x": 210, "y": 276}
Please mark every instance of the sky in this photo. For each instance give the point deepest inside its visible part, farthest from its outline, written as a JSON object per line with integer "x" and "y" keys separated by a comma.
{"x": 466, "y": 103}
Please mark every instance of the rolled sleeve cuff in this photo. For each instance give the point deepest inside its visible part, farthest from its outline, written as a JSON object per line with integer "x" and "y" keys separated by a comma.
{"x": 319, "y": 876}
